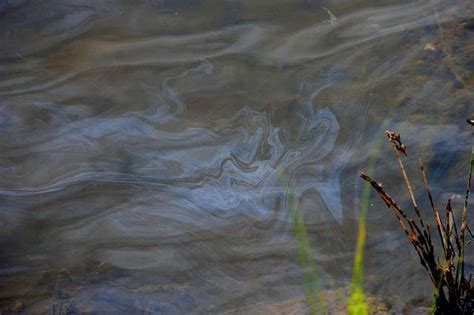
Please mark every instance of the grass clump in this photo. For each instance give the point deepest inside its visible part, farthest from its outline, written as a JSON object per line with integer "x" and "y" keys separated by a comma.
{"x": 453, "y": 290}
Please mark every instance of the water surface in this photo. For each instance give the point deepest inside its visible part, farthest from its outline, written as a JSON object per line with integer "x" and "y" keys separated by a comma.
{"x": 146, "y": 146}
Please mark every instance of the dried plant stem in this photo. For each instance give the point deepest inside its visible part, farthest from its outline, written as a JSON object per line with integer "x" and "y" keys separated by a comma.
{"x": 453, "y": 292}
{"x": 464, "y": 212}
{"x": 396, "y": 147}
{"x": 439, "y": 224}
{"x": 408, "y": 225}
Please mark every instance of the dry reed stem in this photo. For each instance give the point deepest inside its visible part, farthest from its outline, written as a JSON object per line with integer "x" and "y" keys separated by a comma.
{"x": 453, "y": 292}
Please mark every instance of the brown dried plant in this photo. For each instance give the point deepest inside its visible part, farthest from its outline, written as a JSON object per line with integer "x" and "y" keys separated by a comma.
{"x": 453, "y": 291}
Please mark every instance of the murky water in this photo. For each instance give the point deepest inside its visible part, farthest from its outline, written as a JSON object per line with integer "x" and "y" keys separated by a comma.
{"x": 146, "y": 146}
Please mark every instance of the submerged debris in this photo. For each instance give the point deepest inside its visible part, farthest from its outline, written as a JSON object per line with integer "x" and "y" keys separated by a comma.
{"x": 332, "y": 18}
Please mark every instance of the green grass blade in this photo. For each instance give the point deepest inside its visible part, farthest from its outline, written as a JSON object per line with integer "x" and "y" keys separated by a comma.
{"x": 315, "y": 297}
{"x": 357, "y": 300}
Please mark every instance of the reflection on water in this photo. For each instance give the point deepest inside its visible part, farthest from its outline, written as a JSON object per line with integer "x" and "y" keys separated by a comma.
{"x": 143, "y": 145}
